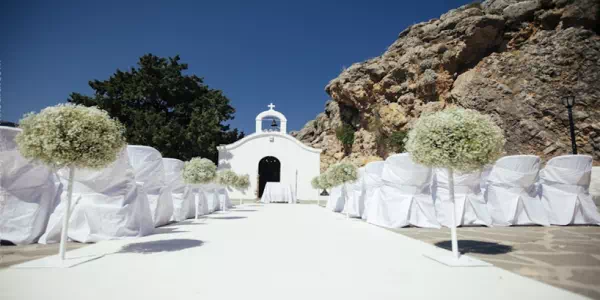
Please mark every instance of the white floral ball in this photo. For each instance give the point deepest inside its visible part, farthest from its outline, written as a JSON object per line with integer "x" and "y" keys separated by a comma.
{"x": 324, "y": 182}
{"x": 242, "y": 182}
{"x": 199, "y": 171}
{"x": 341, "y": 173}
{"x": 456, "y": 138}
{"x": 315, "y": 183}
{"x": 69, "y": 135}
{"x": 226, "y": 177}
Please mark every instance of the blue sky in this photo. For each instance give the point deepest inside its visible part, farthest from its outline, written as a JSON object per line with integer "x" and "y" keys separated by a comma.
{"x": 257, "y": 52}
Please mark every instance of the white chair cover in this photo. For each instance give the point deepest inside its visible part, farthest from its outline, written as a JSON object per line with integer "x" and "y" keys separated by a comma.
{"x": 224, "y": 200}
{"x": 335, "y": 202}
{"x": 469, "y": 201}
{"x": 150, "y": 173}
{"x": 512, "y": 192}
{"x": 29, "y": 192}
{"x": 485, "y": 173}
{"x": 203, "y": 205}
{"x": 211, "y": 196}
{"x": 181, "y": 193}
{"x": 405, "y": 195}
{"x": 595, "y": 185}
{"x": 107, "y": 204}
{"x": 372, "y": 183}
{"x": 354, "y": 199}
{"x": 565, "y": 183}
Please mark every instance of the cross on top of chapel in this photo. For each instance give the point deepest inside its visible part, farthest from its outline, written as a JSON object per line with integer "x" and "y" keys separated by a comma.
{"x": 271, "y": 106}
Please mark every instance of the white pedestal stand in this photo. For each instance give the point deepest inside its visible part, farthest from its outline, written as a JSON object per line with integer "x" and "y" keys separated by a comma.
{"x": 455, "y": 259}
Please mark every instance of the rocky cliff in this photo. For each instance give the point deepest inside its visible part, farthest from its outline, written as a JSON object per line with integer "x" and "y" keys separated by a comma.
{"x": 511, "y": 59}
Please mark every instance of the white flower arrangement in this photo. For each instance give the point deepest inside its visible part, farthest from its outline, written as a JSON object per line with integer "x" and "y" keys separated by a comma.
{"x": 242, "y": 182}
{"x": 199, "y": 171}
{"x": 226, "y": 177}
{"x": 315, "y": 183}
{"x": 69, "y": 135}
{"x": 341, "y": 173}
{"x": 456, "y": 138}
{"x": 324, "y": 182}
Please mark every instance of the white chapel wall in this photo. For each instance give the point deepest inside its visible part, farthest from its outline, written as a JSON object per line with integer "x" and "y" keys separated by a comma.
{"x": 243, "y": 158}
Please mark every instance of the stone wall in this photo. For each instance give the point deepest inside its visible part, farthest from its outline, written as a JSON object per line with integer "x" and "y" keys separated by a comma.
{"x": 510, "y": 59}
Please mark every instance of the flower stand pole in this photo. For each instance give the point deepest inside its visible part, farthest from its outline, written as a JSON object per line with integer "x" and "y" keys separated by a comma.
{"x": 455, "y": 259}
{"x": 55, "y": 137}
{"x": 64, "y": 234}
{"x": 453, "y": 228}
{"x": 197, "y": 203}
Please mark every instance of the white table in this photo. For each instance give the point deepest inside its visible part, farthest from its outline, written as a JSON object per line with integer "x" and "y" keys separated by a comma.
{"x": 277, "y": 192}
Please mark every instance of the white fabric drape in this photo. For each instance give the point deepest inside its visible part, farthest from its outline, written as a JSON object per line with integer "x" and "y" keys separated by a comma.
{"x": 512, "y": 192}
{"x": 181, "y": 193}
{"x": 277, "y": 192}
{"x": 565, "y": 185}
{"x": 373, "y": 184}
{"x": 202, "y": 206}
{"x": 107, "y": 204}
{"x": 224, "y": 200}
{"x": 354, "y": 204}
{"x": 335, "y": 202}
{"x": 29, "y": 192}
{"x": 470, "y": 204}
{"x": 150, "y": 173}
{"x": 595, "y": 185}
{"x": 485, "y": 173}
{"x": 210, "y": 197}
{"x": 405, "y": 195}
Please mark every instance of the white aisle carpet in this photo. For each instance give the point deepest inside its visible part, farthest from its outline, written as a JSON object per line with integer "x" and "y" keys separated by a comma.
{"x": 275, "y": 251}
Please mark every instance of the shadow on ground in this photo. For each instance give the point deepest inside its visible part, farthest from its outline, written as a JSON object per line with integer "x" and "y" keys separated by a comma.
{"x": 227, "y": 218}
{"x": 165, "y": 230}
{"x": 244, "y": 210}
{"x": 161, "y": 246}
{"x": 186, "y": 222}
{"x": 479, "y": 247}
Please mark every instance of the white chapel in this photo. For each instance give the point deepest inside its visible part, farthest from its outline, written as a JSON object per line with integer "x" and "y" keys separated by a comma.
{"x": 272, "y": 155}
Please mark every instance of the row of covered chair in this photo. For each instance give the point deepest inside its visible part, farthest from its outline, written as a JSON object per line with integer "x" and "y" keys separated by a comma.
{"x": 130, "y": 197}
{"x": 398, "y": 192}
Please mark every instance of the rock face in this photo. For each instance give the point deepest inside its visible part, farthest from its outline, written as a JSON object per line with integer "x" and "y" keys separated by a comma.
{"x": 511, "y": 59}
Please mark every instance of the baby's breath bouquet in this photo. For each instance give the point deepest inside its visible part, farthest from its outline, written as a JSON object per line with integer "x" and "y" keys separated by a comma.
{"x": 71, "y": 136}
{"x": 324, "y": 182}
{"x": 458, "y": 140}
{"x": 315, "y": 183}
{"x": 226, "y": 177}
{"x": 242, "y": 182}
{"x": 341, "y": 173}
{"x": 199, "y": 171}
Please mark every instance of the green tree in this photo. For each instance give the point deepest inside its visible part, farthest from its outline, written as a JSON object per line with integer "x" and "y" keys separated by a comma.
{"x": 345, "y": 134}
{"x": 161, "y": 107}
{"x": 397, "y": 140}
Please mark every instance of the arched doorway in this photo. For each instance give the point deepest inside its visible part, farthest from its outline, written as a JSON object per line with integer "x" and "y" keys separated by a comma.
{"x": 269, "y": 170}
